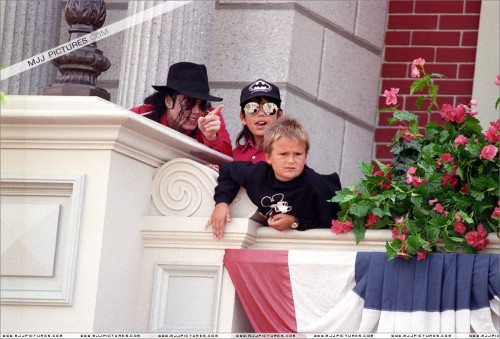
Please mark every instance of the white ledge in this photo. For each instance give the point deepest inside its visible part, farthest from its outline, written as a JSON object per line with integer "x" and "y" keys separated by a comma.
{"x": 189, "y": 232}
{"x": 92, "y": 123}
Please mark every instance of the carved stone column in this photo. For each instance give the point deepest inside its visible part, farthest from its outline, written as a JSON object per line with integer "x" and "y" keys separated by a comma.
{"x": 28, "y": 28}
{"x": 184, "y": 34}
{"x": 80, "y": 68}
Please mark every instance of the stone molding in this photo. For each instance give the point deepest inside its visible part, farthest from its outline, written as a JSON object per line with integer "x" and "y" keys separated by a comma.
{"x": 52, "y": 243}
{"x": 91, "y": 123}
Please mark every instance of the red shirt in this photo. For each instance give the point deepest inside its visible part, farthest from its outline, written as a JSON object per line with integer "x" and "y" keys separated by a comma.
{"x": 221, "y": 144}
{"x": 248, "y": 152}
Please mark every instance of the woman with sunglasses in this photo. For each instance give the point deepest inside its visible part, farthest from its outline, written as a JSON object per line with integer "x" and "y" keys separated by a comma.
{"x": 260, "y": 108}
{"x": 184, "y": 105}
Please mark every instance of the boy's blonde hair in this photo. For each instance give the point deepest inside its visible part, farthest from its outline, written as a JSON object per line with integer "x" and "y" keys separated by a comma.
{"x": 285, "y": 127}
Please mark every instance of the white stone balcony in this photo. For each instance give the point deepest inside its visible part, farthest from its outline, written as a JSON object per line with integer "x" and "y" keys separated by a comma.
{"x": 103, "y": 216}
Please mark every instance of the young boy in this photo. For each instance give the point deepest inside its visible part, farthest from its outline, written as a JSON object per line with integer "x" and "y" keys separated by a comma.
{"x": 260, "y": 104}
{"x": 287, "y": 192}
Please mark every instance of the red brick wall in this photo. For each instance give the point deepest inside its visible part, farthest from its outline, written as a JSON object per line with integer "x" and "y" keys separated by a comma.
{"x": 444, "y": 33}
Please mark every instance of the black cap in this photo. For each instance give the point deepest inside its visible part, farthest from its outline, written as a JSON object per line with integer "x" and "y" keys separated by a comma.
{"x": 260, "y": 88}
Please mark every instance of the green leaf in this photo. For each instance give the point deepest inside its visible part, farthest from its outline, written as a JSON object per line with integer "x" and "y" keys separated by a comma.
{"x": 366, "y": 168}
{"x": 485, "y": 183}
{"x": 414, "y": 243}
{"x": 343, "y": 196}
{"x": 443, "y": 136}
{"x": 473, "y": 125}
{"x": 361, "y": 209}
{"x": 465, "y": 217}
{"x": 474, "y": 149}
{"x": 405, "y": 116}
{"x": 378, "y": 212}
{"x": 462, "y": 200}
{"x": 479, "y": 196}
{"x": 393, "y": 248}
{"x": 434, "y": 181}
{"x": 437, "y": 75}
{"x": 381, "y": 165}
{"x": 497, "y": 103}
{"x": 432, "y": 232}
{"x": 359, "y": 232}
{"x": 449, "y": 244}
{"x": 416, "y": 200}
{"x": 419, "y": 84}
{"x": 457, "y": 239}
{"x": 419, "y": 101}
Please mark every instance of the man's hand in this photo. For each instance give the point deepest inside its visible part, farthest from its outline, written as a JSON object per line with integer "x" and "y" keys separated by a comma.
{"x": 281, "y": 222}
{"x": 210, "y": 124}
{"x": 220, "y": 215}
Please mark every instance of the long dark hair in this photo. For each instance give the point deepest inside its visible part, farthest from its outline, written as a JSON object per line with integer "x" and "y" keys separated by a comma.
{"x": 245, "y": 133}
{"x": 157, "y": 99}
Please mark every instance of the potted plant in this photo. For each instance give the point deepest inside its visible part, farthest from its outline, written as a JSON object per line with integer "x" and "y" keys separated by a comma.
{"x": 441, "y": 190}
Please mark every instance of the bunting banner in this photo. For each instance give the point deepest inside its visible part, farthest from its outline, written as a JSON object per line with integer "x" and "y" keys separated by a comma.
{"x": 303, "y": 291}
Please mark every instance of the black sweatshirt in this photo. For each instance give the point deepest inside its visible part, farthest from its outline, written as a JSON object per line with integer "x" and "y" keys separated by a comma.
{"x": 305, "y": 197}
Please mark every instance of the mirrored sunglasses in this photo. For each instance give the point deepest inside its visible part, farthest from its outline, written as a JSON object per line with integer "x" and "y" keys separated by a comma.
{"x": 252, "y": 108}
{"x": 189, "y": 102}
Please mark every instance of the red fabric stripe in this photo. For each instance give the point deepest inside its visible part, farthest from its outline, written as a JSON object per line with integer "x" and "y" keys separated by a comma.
{"x": 262, "y": 281}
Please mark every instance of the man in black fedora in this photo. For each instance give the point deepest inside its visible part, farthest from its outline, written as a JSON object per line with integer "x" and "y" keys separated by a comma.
{"x": 184, "y": 104}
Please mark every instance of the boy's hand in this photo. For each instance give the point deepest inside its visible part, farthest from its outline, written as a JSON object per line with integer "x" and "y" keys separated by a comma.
{"x": 281, "y": 222}
{"x": 210, "y": 124}
{"x": 220, "y": 215}
{"x": 214, "y": 167}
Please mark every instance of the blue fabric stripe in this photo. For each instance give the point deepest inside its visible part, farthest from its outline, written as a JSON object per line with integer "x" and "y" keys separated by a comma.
{"x": 451, "y": 281}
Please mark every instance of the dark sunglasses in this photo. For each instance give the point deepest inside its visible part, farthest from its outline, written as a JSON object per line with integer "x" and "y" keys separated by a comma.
{"x": 269, "y": 108}
{"x": 189, "y": 102}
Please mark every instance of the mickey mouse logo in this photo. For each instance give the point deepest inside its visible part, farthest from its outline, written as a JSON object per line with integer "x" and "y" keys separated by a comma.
{"x": 276, "y": 204}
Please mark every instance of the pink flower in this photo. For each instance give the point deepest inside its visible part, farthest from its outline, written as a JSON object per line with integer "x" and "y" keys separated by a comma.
{"x": 493, "y": 132}
{"x": 459, "y": 227}
{"x": 477, "y": 239}
{"x": 457, "y": 114}
{"x": 372, "y": 219}
{"x": 446, "y": 157}
{"x": 473, "y": 102}
{"x": 409, "y": 178}
{"x": 447, "y": 112}
{"x": 421, "y": 255}
{"x": 460, "y": 114}
{"x": 461, "y": 140}
{"x": 414, "y": 72}
{"x": 391, "y": 96}
{"x": 488, "y": 152}
{"x": 414, "y": 180}
{"x": 418, "y": 62}
{"x": 497, "y": 80}
{"x": 433, "y": 201}
{"x": 396, "y": 234}
{"x": 465, "y": 189}
{"x": 496, "y": 212}
{"x": 449, "y": 178}
{"x": 404, "y": 253}
{"x": 438, "y": 164}
{"x": 400, "y": 221}
{"x": 341, "y": 227}
{"x": 439, "y": 208}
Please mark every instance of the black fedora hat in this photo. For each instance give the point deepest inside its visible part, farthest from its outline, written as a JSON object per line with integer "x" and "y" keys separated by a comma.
{"x": 190, "y": 79}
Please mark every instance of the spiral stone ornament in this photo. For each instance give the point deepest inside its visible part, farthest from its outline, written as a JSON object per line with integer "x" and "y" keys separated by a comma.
{"x": 183, "y": 187}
